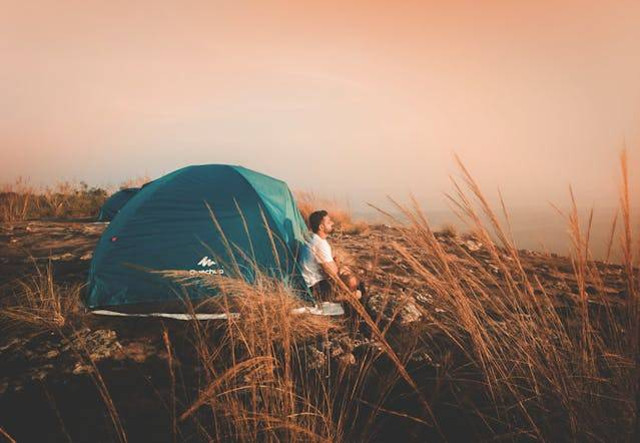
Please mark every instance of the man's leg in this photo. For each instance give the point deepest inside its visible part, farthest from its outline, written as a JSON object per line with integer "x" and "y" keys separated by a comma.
{"x": 322, "y": 291}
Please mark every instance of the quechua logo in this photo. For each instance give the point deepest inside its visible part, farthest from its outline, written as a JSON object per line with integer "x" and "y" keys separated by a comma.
{"x": 206, "y": 262}
{"x": 210, "y": 265}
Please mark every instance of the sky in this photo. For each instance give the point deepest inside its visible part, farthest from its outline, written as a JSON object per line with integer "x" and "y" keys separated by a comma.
{"x": 353, "y": 100}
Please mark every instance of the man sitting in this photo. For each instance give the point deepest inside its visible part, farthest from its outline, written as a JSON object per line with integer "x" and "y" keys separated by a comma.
{"x": 319, "y": 268}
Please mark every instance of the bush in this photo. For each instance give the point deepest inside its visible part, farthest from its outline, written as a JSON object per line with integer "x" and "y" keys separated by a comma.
{"x": 19, "y": 201}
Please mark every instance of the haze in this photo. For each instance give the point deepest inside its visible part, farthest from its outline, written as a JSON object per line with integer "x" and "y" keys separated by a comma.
{"x": 349, "y": 99}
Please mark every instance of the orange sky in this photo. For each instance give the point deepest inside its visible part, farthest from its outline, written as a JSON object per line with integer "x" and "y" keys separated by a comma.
{"x": 355, "y": 99}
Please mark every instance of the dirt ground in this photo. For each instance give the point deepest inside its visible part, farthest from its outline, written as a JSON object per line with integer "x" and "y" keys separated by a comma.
{"x": 43, "y": 378}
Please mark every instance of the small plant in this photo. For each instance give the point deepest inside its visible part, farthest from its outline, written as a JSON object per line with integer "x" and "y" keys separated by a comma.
{"x": 449, "y": 230}
{"x": 16, "y": 200}
{"x": 42, "y": 304}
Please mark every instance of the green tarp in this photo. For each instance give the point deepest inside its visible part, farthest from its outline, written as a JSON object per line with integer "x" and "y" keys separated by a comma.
{"x": 167, "y": 225}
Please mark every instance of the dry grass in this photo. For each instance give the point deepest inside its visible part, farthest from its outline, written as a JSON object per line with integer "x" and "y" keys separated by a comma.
{"x": 21, "y": 201}
{"x": 42, "y": 304}
{"x": 16, "y": 200}
{"x": 9, "y": 438}
{"x": 343, "y": 257}
{"x": 309, "y": 202}
{"x": 548, "y": 376}
{"x": 256, "y": 389}
{"x": 136, "y": 182}
{"x": 542, "y": 373}
{"x": 262, "y": 385}
{"x": 449, "y": 230}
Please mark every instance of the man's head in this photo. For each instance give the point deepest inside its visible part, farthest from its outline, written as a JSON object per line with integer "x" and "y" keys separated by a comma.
{"x": 320, "y": 222}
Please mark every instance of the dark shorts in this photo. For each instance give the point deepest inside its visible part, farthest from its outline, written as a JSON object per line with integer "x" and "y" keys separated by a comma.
{"x": 322, "y": 290}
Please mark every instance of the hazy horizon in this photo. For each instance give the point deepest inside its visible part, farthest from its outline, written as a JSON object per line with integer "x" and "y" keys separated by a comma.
{"x": 352, "y": 100}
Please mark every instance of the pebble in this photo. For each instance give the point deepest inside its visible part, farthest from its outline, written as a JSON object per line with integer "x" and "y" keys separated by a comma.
{"x": 52, "y": 354}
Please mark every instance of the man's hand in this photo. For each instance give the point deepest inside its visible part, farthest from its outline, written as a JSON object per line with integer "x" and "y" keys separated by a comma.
{"x": 343, "y": 277}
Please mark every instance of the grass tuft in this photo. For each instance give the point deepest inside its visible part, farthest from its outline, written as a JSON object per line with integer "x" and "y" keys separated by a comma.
{"x": 42, "y": 304}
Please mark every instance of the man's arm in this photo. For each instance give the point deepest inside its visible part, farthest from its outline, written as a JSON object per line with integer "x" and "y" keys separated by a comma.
{"x": 323, "y": 256}
{"x": 330, "y": 268}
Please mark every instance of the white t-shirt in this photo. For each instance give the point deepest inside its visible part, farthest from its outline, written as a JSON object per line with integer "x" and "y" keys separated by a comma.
{"x": 315, "y": 252}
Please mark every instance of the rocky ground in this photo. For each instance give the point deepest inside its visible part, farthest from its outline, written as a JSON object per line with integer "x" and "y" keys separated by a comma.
{"x": 42, "y": 374}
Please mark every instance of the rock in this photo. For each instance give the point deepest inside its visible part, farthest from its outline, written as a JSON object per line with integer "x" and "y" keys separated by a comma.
{"x": 13, "y": 343}
{"x": 67, "y": 256}
{"x": 347, "y": 359}
{"x": 138, "y": 351}
{"x": 472, "y": 245}
{"x": 424, "y": 299}
{"x": 336, "y": 351}
{"x": 409, "y": 314}
{"x": 102, "y": 344}
{"x": 386, "y": 306}
{"x": 39, "y": 374}
{"x": 316, "y": 359}
{"x": 52, "y": 354}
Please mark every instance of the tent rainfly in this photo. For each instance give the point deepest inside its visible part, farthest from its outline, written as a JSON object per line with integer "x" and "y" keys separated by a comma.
{"x": 214, "y": 219}
{"x": 114, "y": 203}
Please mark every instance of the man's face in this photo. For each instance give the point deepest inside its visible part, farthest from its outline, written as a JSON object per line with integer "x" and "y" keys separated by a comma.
{"x": 327, "y": 224}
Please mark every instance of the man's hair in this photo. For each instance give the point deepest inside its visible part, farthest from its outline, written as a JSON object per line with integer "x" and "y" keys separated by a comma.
{"x": 316, "y": 218}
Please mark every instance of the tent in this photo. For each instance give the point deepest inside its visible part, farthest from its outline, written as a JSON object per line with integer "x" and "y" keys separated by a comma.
{"x": 214, "y": 219}
{"x": 114, "y": 203}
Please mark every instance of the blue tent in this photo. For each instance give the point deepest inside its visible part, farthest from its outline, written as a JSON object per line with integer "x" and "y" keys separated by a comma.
{"x": 215, "y": 219}
{"x": 114, "y": 203}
